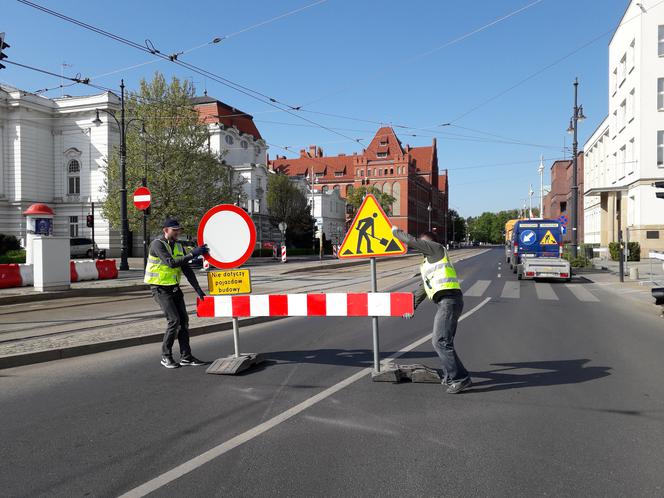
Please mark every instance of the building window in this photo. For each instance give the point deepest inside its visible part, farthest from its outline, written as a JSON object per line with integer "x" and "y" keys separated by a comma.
{"x": 614, "y": 124}
{"x": 630, "y": 105}
{"x": 652, "y": 234}
{"x": 660, "y": 40}
{"x": 324, "y": 189}
{"x": 622, "y": 158}
{"x": 623, "y": 68}
{"x": 73, "y": 177}
{"x": 349, "y": 190}
{"x": 257, "y": 149}
{"x": 320, "y": 175}
{"x": 622, "y": 115}
{"x": 391, "y": 171}
{"x": 381, "y": 154}
{"x": 385, "y": 173}
{"x": 631, "y": 157}
{"x": 338, "y": 173}
{"x": 660, "y": 148}
{"x": 383, "y": 141}
{"x": 660, "y": 94}
{"x": 631, "y": 56}
{"x": 336, "y": 187}
{"x": 614, "y": 80}
{"x": 73, "y": 226}
{"x": 229, "y": 140}
{"x": 396, "y": 193}
{"x": 244, "y": 144}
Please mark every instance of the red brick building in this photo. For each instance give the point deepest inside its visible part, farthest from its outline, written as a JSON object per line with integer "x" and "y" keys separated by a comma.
{"x": 559, "y": 200}
{"x": 409, "y": 174}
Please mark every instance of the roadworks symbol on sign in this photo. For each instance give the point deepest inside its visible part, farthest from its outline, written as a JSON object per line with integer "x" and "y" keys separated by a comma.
{"x": 548, "y": 239}
{"x": 370, "y": 233}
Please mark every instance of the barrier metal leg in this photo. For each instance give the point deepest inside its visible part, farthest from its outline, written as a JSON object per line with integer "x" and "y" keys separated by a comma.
{"x": 374, "y": 319}
{"x": 236, "y": 336}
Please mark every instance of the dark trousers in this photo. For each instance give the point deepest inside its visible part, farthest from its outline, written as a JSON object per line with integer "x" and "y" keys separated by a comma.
{"x": 171, "y": 302}
{"x": 444, "y": 329}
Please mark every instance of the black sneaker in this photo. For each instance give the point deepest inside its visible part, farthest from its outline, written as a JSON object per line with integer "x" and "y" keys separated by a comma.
{"x": 168, "y": 362}
{"x": 459, "y": 385}
{"x": 191, "y": 361}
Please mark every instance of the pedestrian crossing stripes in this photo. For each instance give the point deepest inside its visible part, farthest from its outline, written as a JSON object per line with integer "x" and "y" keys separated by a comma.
{"x": 543, "y": 291}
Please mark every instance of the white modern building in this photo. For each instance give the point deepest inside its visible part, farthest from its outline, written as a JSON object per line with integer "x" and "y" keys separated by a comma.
{"x": 327, "y": 206}
{"x": 51, "y": 152}
{"x": 625, "y": 155}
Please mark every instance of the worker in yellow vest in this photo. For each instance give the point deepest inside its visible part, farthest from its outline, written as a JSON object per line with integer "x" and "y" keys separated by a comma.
{"x": 167, "y": 261}
{"x": 441, "y": 285}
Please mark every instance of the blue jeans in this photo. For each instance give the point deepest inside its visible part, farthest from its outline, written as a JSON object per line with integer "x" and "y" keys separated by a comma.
{"x": 444, "y": 329}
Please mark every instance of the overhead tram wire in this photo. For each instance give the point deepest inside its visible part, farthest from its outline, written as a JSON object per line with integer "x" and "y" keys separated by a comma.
{"x": 430, "y": 51}
{"x": 149, "y": 48}
{"x": 549, "y": 66}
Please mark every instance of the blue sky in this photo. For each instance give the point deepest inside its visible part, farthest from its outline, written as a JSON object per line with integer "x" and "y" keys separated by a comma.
{"x": 369, "y": 60}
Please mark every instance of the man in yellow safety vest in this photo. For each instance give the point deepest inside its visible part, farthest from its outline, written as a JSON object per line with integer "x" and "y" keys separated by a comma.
{"x": 167, "y": 261}
{"x": 441, "y": 285}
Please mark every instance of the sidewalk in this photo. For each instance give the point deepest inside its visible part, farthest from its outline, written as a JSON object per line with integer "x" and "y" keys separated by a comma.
{"x": 606, "y": 274}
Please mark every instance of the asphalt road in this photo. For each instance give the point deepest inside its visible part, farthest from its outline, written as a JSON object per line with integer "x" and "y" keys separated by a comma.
{"x": 568, "y": 401}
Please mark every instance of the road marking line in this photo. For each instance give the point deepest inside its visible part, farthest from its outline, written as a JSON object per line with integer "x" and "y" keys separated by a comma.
{"x": 581, "y": 293}
{"x": 200, "y": 460}
{"x": 512, "y": 290}
{"x": 478, "y": 288}
{"x": 545, "y": 291}
{"x": 499, "y": 275}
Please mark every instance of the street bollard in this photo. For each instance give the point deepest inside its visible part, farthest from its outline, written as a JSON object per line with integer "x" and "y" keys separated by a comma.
{"x": 633, "y": 273}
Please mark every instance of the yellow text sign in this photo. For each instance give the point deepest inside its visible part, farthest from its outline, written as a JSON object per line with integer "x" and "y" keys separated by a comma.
{"x": 370, "y": 234}
{"x": 229, "y": 282}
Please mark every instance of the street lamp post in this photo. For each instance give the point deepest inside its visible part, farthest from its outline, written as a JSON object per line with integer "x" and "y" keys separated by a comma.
{"x": 429, "y": 209}
{"x": 122, "y": 125}
{"x": 573, "y": 129}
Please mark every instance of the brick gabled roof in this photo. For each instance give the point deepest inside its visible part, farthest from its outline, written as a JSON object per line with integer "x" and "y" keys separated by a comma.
{"x": 212, "y": 110}
{"x": 328, "y": 165}
{"x": 385, "y": 141}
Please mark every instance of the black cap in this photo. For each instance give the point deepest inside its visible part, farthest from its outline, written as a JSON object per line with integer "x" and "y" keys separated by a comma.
{"x": 171, "y": 223}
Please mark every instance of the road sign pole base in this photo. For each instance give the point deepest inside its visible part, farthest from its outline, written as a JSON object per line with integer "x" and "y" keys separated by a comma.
{"x": 232, "y": 365}
{"x": 400, "y": 373}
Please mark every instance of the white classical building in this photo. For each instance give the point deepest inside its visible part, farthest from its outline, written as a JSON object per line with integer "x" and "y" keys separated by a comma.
{"x": 625, "y": 155}
{"x": 327, "y": 207}
{"x": 236, "y": 139}
{"x": 51, "y": 152}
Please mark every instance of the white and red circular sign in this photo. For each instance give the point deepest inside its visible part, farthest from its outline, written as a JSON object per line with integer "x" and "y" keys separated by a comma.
{"x": 230, "y": 235}
{"x": 142, "y": 198}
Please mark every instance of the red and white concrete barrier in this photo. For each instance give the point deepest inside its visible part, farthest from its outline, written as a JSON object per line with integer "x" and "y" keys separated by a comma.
{"x": 13, "y": 275}
{"x": 284, "y": 256}
{"x": 359, "y": 304}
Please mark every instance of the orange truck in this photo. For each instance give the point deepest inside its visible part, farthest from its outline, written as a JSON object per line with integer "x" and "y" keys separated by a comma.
{"x": 509, "y": 227}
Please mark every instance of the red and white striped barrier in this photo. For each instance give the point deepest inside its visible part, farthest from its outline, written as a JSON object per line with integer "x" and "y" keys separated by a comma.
{"x": 275, "y": 250}
{"x": 13, "y": 275}
{"x": 360, "y": 304}
{"x": 284, "y": 257}
{"x": 335, "y": 251}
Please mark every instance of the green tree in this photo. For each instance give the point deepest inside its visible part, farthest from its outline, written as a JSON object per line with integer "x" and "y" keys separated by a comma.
{"x": 184, "y": 177}
{"x": 356, "y": 196}
{"x": 286, "y": 202}
{"x": 456, "y": 228}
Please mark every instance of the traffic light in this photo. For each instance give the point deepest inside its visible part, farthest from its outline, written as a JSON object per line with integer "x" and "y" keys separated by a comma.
{"x": 3, "y": 46}
{"x": 660, "y": 195}
{"x": 90, "y": 220}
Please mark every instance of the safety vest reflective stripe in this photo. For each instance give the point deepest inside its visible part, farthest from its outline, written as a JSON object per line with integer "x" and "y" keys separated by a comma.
{"x": 157, "y": 273}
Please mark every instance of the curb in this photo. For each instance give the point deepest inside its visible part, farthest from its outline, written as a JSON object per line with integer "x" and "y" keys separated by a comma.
{"x": 102, "y": 291}
{"x": 85, "y": 349}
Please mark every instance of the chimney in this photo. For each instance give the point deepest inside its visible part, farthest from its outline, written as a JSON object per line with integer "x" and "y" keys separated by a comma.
{"x": 312, "y": 151}
{"x": 303, "y": 153}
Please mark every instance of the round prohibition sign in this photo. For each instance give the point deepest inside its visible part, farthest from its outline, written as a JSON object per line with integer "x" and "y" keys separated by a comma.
{"x": 230, "y": 235}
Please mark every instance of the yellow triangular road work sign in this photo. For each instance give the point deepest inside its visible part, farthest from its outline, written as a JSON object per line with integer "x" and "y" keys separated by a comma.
{"x": 548, "y": 239}
{"x": 370, "y": 234}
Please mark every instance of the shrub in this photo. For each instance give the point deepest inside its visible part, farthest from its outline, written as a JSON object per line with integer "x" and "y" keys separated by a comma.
{"x": 634, "y": 251}
{"x": 13, "y": 257}
{"x": 8, "y": 243}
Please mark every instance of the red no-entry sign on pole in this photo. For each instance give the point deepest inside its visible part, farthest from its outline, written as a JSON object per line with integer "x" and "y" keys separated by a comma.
{"x": 142, "y": 198}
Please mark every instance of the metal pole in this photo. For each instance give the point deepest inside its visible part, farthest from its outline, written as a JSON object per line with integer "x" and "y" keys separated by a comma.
{"x": 374, "y": 319}
{"x": 93, "y": 230}
{"x": 541, "y": 172}
{"x": 145, "y": 211}
{"x": 621, "y": 268}
{"x": 575, "y": 186}
{"x": 124, "y": 252}
{"x": 236, "y": 336}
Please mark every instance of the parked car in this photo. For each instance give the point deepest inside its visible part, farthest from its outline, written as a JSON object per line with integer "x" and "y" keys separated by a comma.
{"x": 82, "y": 248}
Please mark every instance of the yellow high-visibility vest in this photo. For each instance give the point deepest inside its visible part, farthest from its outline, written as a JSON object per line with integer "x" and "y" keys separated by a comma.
{"x": 438, "y": 276}
{"x": 157, "y": 273}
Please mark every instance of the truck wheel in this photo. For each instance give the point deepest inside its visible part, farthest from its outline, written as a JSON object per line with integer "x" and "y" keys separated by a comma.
{"x": 518, "y": 276}
{"x": 514, "y": 269}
